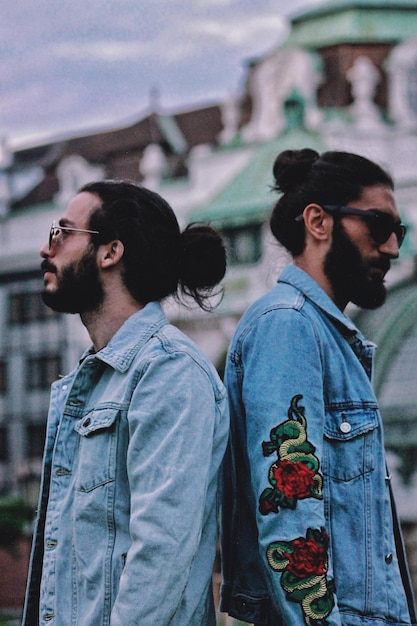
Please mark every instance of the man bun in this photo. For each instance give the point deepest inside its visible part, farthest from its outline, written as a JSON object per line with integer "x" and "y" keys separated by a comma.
{"x": 292, "y": 167}
{"x": 202, "y": 262}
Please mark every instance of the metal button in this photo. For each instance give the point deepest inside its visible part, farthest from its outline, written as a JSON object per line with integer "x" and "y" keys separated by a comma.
{"x": 345, "y": 427}
{"x": 388, "y": 558}
{"x": 244, "y": 607}
{"x": 87, "y": 422}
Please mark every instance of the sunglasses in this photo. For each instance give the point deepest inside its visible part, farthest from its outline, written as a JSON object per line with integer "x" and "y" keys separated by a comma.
{"x": 381, "y": 225}
{"x": 56, "y": 231}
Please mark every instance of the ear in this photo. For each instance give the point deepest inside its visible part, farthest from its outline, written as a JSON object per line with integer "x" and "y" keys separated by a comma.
{"x": 318, "y": 223}
{"x": 109, "y": 254}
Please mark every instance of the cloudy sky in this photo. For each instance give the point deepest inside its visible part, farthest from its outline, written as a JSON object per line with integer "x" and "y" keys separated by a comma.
{"x": 89, "y": 64}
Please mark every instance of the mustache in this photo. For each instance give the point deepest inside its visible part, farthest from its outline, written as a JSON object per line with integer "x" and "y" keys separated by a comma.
{"x": 47, "y": 266}
{"x": 383, "y": 263}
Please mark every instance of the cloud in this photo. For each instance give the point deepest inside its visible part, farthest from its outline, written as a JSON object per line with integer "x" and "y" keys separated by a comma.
{"x": 195, "y": 37}
{"x": 104, "y": 50}
{"x": 249, "y": 30}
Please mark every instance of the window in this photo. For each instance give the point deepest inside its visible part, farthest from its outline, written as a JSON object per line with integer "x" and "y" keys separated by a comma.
{"x": 244, "y": 244}
{"x": 3, "y": 376}
{"x": 42, "y": 370}
{"x": 28, "y": 307}
{"x": 4, "y": 448}
{"x": 412, "y": 87}
{"x": 35, "y": 440}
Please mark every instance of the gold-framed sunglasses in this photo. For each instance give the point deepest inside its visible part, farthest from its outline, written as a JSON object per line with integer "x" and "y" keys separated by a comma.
{"x": 56, "y": 230}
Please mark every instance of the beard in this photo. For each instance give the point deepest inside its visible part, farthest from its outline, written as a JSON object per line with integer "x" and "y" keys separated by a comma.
{"x": 79, "y": 288}
{"x": 349, "y": 274}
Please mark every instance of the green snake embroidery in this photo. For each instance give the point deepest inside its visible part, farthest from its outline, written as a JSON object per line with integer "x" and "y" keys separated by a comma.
{"x": 295, "y": 475}
{"x": 303, "y": 563}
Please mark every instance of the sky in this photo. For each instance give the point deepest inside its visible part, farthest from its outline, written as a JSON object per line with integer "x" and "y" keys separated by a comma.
{"x": 88, "y": 65}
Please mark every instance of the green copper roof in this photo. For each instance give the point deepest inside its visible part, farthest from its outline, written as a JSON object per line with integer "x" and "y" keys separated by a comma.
{"x": 357, "y": 21}
{"x": 248, "y": 197}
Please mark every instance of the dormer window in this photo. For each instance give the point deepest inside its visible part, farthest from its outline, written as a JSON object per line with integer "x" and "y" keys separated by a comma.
{"x": 243, "y": 243}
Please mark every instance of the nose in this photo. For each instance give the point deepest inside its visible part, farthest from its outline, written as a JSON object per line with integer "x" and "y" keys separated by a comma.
{"x": 46, "y": 251}
{"x": 390, "y": 247}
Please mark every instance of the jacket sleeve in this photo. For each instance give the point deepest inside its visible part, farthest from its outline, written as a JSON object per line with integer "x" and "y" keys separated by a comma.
{"x": 173, "y": 417}
{"x": 283, "y": 389}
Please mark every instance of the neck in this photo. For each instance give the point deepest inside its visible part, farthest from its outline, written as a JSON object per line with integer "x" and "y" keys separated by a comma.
{"x": 103, "y": 323}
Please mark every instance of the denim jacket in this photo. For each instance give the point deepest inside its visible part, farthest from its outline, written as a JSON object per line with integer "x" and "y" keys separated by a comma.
{"x": 126, "y": 531}
{"x": 309, "y": 532}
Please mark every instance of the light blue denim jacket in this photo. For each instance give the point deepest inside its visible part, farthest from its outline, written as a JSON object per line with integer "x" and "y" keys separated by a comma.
{"x": 126, "y": 530}
{"x": 308, "y": 535}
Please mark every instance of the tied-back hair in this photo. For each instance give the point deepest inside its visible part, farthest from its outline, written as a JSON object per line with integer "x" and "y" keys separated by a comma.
{"x": 158, "y": 260}
{"x": 305, "y": 176}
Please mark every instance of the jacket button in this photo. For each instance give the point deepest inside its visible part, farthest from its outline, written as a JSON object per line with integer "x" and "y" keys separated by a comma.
{"x": 345, "y": 427}
{"x": 388, "y": 558}
{"x": 87, "y": 422}
{"x": 243, "y": 606}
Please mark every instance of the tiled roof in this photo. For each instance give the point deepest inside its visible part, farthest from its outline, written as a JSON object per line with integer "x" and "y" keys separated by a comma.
{"x": 120, "y": 150}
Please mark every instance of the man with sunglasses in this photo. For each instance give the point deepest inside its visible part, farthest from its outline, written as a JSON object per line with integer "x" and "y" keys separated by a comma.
{"x": 310, "y": 534}
{"x": 126, "y": 529}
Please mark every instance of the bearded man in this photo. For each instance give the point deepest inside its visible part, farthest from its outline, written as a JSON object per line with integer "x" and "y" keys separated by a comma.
{"x": 126, "y": 527}
{"x": 309, "y": 529}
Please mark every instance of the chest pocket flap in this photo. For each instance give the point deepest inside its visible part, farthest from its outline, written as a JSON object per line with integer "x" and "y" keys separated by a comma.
{"x": 98, "y": 419}
{"x": 349, "y": 444}
{"x": 98, "y": 432}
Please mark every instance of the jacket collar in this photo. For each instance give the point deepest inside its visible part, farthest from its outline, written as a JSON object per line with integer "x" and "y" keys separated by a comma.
{"x": 302, "y": 281}
{"x": 130, "y": 338}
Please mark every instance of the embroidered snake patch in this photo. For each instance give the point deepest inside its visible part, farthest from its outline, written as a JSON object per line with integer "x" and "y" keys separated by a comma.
{"x": 303, "y": 563}
{"x": 295, "y": 475}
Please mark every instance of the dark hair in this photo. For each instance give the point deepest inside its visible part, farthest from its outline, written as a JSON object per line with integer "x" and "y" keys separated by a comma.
{"x": 159, "y": 260}
{"x": 304, "y": 176}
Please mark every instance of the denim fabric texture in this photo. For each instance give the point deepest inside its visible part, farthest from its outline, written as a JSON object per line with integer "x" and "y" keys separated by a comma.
{"x": 126, "y": 531}
{"x": 295, "y": 346}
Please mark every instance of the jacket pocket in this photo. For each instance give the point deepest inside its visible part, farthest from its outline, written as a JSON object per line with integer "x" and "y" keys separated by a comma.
{"x": 97, "y": 450}
{"x": 349, "y": 442}
{"x": 246, "y": 607}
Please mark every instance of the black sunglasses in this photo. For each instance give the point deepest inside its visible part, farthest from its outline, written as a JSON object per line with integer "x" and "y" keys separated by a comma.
{"x": 381, "y": 225}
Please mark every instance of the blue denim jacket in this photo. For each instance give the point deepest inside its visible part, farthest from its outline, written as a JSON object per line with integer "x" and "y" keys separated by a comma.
{"x": 309, "y": 534}
{"x": 126, "y": 532}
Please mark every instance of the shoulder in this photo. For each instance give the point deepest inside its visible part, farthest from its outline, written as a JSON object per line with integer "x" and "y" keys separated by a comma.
{"x": 177, "y": 351}
{"x": 282, "y": 302}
